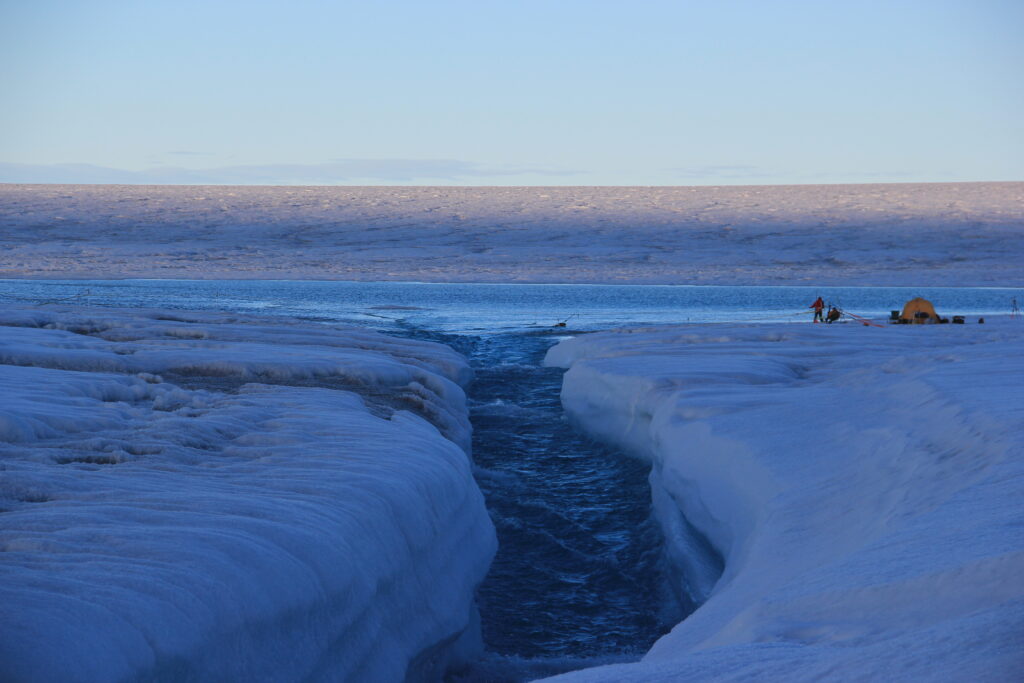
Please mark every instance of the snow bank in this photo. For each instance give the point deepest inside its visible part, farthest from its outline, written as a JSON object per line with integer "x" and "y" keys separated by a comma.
{"x": 178, "y": 501}
{"x": 862, "y": 486}
{"x": 898, "y": 234}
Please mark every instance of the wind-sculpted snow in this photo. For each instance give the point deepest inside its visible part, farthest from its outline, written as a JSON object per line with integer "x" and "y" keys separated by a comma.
{"x": 178, "y": 501}
{"x": 899, "y": 234}
{"x": 862, "y": 486}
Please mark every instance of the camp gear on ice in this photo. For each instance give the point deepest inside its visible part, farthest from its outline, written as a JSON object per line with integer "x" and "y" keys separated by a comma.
{"x": 919, "y": 310}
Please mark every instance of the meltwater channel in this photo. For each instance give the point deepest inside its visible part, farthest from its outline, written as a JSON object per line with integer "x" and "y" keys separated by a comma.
{"x": 578, "y": 579}
{"x": 577, "y": 572}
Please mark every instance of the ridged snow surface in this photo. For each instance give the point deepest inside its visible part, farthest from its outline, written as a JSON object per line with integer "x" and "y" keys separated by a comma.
{"x": 904, "y": 234}
{"x": 862, "y": 485}
{"x": 203, "y": 497}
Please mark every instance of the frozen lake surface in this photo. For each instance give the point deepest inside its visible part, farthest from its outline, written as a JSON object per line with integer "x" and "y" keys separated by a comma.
{"x": 481, "y": 309}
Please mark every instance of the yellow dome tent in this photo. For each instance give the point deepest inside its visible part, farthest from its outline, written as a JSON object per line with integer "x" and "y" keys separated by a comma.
{"x": 912, "y": 308}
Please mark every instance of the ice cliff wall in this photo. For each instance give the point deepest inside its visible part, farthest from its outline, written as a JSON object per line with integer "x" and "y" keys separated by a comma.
{"x": 202, "y": 497}
{"x": 863, "y": 486}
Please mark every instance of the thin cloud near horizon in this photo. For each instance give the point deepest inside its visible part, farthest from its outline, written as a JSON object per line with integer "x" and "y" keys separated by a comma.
{"x": 334, "y": 171}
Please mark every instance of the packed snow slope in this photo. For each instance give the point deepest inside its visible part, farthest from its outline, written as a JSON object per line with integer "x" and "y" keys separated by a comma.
{"x": 209, "y": 497}
{"x": 862, "y": 485}
{"x": 897, "y": 234}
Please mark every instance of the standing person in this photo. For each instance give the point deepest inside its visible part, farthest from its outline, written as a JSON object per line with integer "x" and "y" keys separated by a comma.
{"x": 818, "y": 307}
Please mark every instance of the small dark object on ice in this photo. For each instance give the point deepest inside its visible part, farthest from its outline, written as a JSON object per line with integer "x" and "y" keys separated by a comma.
{"x": 562, "y": 324}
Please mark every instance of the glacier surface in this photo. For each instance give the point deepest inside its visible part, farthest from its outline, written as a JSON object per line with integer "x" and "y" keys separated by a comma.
{"x": 863, "y": 487}
{"x": 881, "y": 235}
{"x": 211, "y": 497}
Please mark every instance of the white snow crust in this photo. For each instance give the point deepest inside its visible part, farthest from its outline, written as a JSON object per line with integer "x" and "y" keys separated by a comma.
{"x": 211, "y": 497}
{"x": 862, "y": 485}
{"x": 895, "y": 234}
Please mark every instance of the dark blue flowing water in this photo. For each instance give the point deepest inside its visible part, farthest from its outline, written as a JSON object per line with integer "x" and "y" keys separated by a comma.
{"x": 578, "y": 571}
{"x": 578, "y": 578}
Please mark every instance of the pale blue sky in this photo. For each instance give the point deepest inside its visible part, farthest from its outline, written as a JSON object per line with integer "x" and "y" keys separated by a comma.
{"x": 512, "y": 93}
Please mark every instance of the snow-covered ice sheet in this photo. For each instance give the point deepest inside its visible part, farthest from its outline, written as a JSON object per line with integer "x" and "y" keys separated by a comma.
{"x": 862, "y": 485}
{"x": 210, "y": 497}
{"x": 896, "y": 234}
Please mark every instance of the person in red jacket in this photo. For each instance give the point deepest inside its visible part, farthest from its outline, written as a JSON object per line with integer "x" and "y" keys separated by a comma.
{"x": 818, "y": 307}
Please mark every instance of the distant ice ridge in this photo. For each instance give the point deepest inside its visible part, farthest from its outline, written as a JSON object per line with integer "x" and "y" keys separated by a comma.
{"x": 863, "y": 486}
{"x": 177, "y": 502}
